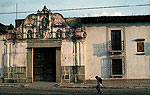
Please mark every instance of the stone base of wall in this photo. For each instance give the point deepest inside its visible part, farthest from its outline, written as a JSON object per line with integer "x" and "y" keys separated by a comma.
{"x": 14, "y": 74}
{"x": 1, "y": 80}
{"x": 14, "y": 80}
{"x": 73, "y": 74}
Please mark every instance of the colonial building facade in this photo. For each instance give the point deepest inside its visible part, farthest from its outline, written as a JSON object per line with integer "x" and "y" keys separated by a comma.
{"x": 44, "y": 48}
{"x": 47, "y": 47}
{"x": 117, "y": 47}
{"x": 3, "y": 30}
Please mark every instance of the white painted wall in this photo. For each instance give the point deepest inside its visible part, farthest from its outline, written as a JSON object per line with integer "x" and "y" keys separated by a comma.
{"x": 68, "y": 53}
{"x": 1, "y": 57}
{"x": 16, "y": 54}
{"x": 96, "y": 52}
{"x": 138, "y": 66}
{"x": 81, "y": 53}
{"x": 97, "y": 61}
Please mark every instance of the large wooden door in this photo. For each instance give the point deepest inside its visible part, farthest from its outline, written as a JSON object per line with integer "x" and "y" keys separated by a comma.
{"x": 44, "y": 64}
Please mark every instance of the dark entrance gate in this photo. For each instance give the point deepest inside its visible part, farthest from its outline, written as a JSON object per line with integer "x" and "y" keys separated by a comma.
{"x": 44, "y": 64}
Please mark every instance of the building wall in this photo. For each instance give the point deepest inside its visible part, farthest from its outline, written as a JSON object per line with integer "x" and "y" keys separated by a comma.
{"x": 15, "y": 62}
{"x": 67, "y": 54}
{"x": 72, "y": 71}
{"x": 98, "y": 61}
{"x": 45, "y": 30}
{"x": 138, "y": 66}
{"x": 2, "y": 47}
{"x": 96, "y": 52}
{"x": 17, "y": 54}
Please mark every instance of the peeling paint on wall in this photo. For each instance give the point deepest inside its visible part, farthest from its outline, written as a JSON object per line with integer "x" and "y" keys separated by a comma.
{"x": 17, "y": 54}
{"x": 67, "y": 58}
{"x": 1, "y": 57}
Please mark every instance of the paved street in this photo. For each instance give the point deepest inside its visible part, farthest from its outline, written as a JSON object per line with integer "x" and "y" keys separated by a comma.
{"x": 69, "y": 91}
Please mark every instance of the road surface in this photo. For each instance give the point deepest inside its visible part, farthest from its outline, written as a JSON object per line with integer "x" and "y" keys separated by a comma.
{"x": 70, "y": 91}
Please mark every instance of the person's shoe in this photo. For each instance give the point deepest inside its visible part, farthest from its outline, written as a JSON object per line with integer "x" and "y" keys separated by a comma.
{"x": 101, "y": 92}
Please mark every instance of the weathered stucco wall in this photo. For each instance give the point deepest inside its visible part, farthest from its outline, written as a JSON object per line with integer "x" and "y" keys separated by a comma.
{"x": 72, "y": 62}
{"x": 138, "y": 66}
{"x": 15, "y": 62}
{"x": 16, "y": 55}
{"x": 2, "y": 47}
{"x": 68, "y": 53}
{"x": 98, "y": 58}
{"x": 96, "y": 52}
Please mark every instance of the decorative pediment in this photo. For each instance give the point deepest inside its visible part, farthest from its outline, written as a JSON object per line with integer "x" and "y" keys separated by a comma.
{"x": 28, "y": 24}
{"x": 45, "y": 24}
{"x": 58, "y": 20}
{"x": 45, "y": 10}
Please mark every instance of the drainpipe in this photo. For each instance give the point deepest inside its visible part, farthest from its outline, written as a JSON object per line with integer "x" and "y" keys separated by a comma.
{"x": 38, "y": 23}
{"x": 50, "y": 23}
{"x": 22, "y": 29}
{"x": 5, "y": 57}
{"x": 9, "y": 55}
{"x": 75, "y": 44}
{"x": 76, "y": 67}
{"x": 2, "y": 65}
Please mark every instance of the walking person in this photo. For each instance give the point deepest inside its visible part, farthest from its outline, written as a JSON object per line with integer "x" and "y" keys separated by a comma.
{"x": 99, "y": 84}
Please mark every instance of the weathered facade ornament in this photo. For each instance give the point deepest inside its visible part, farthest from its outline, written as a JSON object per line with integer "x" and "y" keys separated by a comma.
{"x": 44, "y": 36}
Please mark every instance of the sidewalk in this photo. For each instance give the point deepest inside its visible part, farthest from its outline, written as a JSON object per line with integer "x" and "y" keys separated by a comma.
{"x": 105, "y": 86}
{"x": 50, "y": 85}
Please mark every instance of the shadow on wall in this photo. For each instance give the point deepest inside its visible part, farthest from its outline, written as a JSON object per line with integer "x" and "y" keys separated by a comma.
{"x": 2, "y": 66}
{"x": 147, "y": 49}
{"x": 100, "y": 50}
{"x": 105, "y": 68}
{"x": 1, "y": 72}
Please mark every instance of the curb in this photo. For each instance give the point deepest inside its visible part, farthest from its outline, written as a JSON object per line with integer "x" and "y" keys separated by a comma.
{"x": 103, "y": 87}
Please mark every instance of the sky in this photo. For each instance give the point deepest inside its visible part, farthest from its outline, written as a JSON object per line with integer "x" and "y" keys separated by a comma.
{"x": 35, "y": 5}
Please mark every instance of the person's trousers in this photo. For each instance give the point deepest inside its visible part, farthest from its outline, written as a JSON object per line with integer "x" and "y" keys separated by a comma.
{"x": 98, "y": 88}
